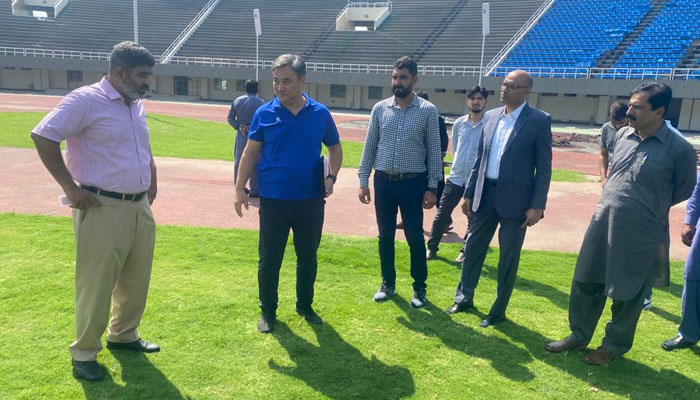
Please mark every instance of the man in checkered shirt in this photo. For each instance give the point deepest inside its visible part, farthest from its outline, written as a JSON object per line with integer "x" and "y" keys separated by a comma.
{"x": 403, "y": 133}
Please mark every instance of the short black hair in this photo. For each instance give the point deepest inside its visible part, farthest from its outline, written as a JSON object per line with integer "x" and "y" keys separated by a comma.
{"x": 476, "y": 90}
{"x": 408, "y": 63}
{"x": 251, "y": 86}
{"x": 659, "y": 94}
{"x": 129, "y": 55}
{"x": 422, "y": 95}
{"x": 618, "y": 110}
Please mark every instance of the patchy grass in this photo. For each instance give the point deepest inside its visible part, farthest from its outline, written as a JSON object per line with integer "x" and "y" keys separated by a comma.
{"x": 202, "y": 309}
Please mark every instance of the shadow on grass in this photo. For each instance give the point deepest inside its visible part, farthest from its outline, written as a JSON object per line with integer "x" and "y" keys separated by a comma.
{"x": 339, "y": 370}
{"x": 506, "y": 358}
{"x": 539, "y": 289}
{"x": 142, "y": 381}
{"x": 674, "y": 289}
{"x": 624, "y": 377}
{"x": 672, "y": 318}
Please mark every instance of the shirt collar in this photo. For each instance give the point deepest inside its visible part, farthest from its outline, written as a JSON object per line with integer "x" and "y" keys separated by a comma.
{"x": 109, "y": 90}
{"x": 276, "y": 102}
{"x": 516, "y": 113}
{"x": 414, "y": 102}
{"x": 661, "y": 134}
{"x": 469, "y": 121}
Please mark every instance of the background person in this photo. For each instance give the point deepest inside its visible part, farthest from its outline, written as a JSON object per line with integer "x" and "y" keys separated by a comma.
{"x": 466, "y": 133}
{"x": 239, "y": 117}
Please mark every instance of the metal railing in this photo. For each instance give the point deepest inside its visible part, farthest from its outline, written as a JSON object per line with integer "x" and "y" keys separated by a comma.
{"x": 188, "y": 31}
{"x": 427, "y": 70}
{"x": 365, "y": 4}
{"x": 519, "y": 35}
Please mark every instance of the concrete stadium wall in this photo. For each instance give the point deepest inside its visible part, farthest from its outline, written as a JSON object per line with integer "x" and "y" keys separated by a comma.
{"x": 567, "y": 100}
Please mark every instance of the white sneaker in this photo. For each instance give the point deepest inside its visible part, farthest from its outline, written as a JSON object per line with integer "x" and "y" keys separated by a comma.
{"x": 647, "y": 304}
{"x": 460, "y": 257}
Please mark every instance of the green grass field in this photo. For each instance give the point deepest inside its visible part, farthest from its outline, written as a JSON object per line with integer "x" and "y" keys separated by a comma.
{"x": 202, "y": 310}
{"x": 190, "y": 138}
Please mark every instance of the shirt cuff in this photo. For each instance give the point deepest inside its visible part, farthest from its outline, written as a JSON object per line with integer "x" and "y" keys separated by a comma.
{"x": 432, "y": 183}
{"x": 364, "y": 181}
{"x": 691, "y": 219}
{"x": 47, "y": 134}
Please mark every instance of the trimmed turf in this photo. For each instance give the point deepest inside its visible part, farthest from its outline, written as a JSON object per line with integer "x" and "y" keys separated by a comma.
{"x": 191, "y": 138}
{"x": 202, "y": 310}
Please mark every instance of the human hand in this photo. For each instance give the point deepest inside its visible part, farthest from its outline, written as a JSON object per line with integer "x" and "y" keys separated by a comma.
{"x": 329, "y": 186}
{"x": 363, "y": 194}
{"x": 467, "y": 208}
{"x": 241, "y": 198}
{"x": 429, "y": 199}
{"x": 81, "y": 199}
{"x": 687, "y": 234}
{"x": 532, "y": 216}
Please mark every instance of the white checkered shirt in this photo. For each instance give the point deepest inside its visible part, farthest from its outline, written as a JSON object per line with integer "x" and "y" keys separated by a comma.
{"x": 400, "y": 141}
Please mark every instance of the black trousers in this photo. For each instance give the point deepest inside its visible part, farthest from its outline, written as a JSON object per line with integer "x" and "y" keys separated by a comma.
{"x": 449, "y": 200}
{"x": 405, "y": 195}
{"x": 305, "y": 218}
{"x": 510, "y": 238}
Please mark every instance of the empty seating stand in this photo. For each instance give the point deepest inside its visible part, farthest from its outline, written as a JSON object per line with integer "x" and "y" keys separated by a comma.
{"x": 96, "y": 25}
{"x": 664, "y": 42}
{"x": 574, "y": 33}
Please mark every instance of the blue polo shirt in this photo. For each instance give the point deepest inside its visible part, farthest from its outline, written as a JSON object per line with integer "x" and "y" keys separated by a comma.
{"x": 290, "y": 159}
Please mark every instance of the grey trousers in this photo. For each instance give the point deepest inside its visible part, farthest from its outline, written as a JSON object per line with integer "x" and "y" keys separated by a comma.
{"x": 510, "y": 238}
{"x": 241, "y": 141}
{"x": 586, "y": 305}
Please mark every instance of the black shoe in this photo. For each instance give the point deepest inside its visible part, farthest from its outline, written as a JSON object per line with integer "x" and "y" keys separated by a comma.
{"x": 418, "y": 299}
{"x": 385, "y": 291}
{"x": 267, "y": 323}
{"x": 309, "y": 315}
{"x": 430, "y": 254}
{"x": 88, "y": 370}
{"x": 139, "y": 345}
{"x": 460, "y": 307}
{"x": 676, "y": 343}
{"x": 490, "y": 320}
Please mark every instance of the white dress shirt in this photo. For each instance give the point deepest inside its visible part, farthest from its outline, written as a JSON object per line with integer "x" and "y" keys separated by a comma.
{"x": 504, "y": 128}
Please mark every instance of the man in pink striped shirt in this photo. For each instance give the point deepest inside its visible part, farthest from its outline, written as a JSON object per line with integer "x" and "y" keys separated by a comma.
{"x": 110, "y": 181}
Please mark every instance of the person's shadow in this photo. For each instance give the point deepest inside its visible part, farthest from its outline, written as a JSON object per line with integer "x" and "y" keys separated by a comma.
{"x": 624, "y": 377}
{"x": 539, "y": 289}
{"x": 337, "y": 369}
{"x": 142, "y": 381}
{"x": 506, "y": 358}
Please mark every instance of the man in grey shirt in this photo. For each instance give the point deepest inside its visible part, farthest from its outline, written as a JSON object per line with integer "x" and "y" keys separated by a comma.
{"x": 608, "y": 134}
{"x": 239, "y": 117}
{"x": 625, "y": 248}
{"x": 466, "y": 133}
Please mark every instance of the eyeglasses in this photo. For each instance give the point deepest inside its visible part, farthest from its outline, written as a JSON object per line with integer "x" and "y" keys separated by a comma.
{"x": 509, "y": 86}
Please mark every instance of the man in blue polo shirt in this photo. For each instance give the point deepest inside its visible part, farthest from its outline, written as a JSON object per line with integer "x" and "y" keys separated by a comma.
{"x": 286, "y": 136}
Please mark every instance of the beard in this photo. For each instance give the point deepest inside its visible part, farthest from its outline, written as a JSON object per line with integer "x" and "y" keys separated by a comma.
{"x": 401, "y": 92}
{"x": 475, "y": 110}
{"x": 134, "y": 91}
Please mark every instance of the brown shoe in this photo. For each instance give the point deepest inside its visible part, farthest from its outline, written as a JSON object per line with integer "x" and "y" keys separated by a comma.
{"x": 601, "y": 356}
{"x": 566, "y": 344}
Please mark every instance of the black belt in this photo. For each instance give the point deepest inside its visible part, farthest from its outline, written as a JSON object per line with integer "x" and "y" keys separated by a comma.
{"x": 396, "y": 177}
{"x": 115, "y": 195}
{"x": 491, "y": 181}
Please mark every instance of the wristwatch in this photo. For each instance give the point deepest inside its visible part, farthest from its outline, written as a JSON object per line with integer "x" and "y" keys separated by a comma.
{"x": 333, "y": 177}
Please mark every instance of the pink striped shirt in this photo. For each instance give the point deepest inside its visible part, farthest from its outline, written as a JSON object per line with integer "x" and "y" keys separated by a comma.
{"x": 107, "y": 142}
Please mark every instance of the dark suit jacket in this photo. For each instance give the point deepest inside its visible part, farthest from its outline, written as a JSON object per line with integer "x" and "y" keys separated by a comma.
{"x": 526, "y": 165}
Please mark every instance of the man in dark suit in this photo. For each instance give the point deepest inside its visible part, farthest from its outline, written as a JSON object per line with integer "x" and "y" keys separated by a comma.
{"x": 508, "y": 187}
